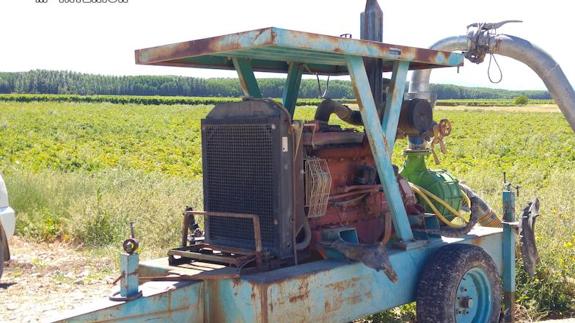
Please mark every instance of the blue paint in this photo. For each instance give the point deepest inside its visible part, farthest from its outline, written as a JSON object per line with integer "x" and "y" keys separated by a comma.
{"x": 508, "y": 241}
{"x": 291, "y": 87}
{"x": 355, "y": 47}
{"x": 473, "y": 297}
{"x": 161, "y": 302}
{"x": 325, "y": 291}
{"x": 393, "y": 103}
{"x": 247, "y": 78}
{"x": 345, "y": 234}
{"x": 379, "y": 147}
{"x": 129, "y": 281}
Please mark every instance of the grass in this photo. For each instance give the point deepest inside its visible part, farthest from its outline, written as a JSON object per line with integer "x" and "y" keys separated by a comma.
{"x": 81, "y": 172}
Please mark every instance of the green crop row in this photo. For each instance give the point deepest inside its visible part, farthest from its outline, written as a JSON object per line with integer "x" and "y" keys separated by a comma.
{"x": 127, "y": 99}
{"x": 172, "y": 100}
{"x": 487, "y": 102}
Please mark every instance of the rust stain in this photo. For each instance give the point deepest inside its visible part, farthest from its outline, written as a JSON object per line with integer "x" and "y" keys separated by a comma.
{"x": 263, "y": 289}
{"x": 214, "y": 302}
{"x": 477, "y": 241}
{"x": 340, "y": 286}
{"x": 298, "y": 298}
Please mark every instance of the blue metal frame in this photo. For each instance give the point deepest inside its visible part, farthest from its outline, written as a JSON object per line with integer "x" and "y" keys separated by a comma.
{"x": 291, "y": 88}
{"x": 508, "y": 247}
{"x": 129, "y": 282}
{"x": 394, "y": 100}
{"x": 326, "y": 291}
{"x": 248, "y": 81}
{"x": 381, "y": 144}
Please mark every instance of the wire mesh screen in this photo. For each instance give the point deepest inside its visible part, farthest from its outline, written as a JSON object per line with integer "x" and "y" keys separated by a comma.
{"x": 239, "y": 178}
{"x": 317, "y": 186}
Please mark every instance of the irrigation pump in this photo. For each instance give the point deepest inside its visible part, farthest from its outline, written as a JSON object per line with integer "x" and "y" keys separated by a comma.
{"x": 310, "y": 220}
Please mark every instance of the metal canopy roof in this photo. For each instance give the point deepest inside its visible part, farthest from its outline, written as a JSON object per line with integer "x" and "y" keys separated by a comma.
{"x": 272, "y": 49}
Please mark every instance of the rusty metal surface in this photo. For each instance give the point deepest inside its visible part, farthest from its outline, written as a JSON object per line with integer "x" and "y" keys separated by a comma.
{"x": 351, "y": 203}
{"x": 322, "y": 291}
{"x": 235, "y": 260}
{"x": 270, "y": 49}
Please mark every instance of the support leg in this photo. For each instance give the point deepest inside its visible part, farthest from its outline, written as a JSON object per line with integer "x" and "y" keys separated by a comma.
{"x": 379, "y": 147}
{"x": 291, "y": 88}
{"x": 393, "y": 103}
{"x": 508, "y": 254}
{"x": 247, "y": 78}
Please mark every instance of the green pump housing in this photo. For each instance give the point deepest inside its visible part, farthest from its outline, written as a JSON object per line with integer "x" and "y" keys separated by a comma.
{"x": 439, "y": 182}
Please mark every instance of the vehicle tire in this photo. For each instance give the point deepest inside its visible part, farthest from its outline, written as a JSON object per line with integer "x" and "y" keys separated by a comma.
{"x": 460, "y": 283}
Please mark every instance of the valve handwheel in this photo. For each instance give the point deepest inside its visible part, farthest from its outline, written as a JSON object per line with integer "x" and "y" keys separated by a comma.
{"x": 444, "y": 127}
{"x": 440, "y": 131}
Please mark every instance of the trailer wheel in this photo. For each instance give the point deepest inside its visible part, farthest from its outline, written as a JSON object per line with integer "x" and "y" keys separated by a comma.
{"x": 459, "y": 284}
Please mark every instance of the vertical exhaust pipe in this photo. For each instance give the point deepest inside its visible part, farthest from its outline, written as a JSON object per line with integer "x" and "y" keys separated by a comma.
{"x": 372, "y": 29}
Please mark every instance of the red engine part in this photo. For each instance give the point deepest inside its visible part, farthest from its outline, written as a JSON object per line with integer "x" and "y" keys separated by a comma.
{"x": 356, "y": 199}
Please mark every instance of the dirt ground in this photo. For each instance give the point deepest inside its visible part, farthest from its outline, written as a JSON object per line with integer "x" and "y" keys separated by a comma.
{"x": 44, "y": 281}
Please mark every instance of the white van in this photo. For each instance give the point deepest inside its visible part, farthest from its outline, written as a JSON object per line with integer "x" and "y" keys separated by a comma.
{"x": 7, "y": 225}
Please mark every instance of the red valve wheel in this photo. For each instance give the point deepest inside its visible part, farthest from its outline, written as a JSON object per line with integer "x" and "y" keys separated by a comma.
{"x": 444, "y": 127}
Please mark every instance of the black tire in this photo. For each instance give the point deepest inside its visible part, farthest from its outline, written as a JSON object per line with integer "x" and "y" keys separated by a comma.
{"x": 442, "y": 291}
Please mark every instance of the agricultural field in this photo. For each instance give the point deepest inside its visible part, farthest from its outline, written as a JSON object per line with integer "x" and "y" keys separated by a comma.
{"x": 79, "y": 172}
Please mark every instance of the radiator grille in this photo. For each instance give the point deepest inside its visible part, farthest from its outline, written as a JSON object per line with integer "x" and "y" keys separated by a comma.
{"x": 239, "y": 178}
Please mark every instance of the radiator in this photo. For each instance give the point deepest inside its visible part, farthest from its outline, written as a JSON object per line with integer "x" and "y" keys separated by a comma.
{"x": 247, "y": 168}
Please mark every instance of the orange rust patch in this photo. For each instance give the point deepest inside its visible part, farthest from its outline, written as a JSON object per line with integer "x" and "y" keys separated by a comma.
{"x": 342, "y": 285}
{"x": 297, "y": 298}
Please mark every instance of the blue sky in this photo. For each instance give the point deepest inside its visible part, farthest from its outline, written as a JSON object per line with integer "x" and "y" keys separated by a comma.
{"x": 101, "y": 37}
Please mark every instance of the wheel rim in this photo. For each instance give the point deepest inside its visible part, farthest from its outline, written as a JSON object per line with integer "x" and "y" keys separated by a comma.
{"x": 473, "y": 297}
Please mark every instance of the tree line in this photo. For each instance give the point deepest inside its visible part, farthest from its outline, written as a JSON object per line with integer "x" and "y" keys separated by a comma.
{"x": 66, "y": 82}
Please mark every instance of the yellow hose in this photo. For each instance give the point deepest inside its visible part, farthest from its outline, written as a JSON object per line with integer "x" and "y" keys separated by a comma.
{"x": 425, "y": 195}
{"x": 466, "y": 199}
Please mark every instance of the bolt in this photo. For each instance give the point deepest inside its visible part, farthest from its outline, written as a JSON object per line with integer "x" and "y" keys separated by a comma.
{"x": 466, "y": 302}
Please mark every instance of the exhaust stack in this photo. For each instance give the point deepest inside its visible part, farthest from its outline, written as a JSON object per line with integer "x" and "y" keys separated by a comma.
{"x": 372, "y": 29}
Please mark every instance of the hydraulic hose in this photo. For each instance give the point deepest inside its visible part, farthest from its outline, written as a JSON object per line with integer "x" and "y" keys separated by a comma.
{"x": 480, "y": 211}
{"x": 428, "y": 196}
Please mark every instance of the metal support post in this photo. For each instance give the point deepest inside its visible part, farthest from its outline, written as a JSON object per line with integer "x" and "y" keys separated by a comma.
{"x": 248, "y": 81}
{"x": 379, "y": 146}
{"x": 129, "y": 262}
{"x": 508, "y": 252}
{"x": 291, "y": 87}
{"x": 393, "y": 103}
{"x": 129, "y": 281}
